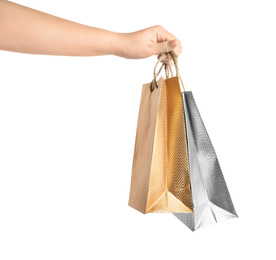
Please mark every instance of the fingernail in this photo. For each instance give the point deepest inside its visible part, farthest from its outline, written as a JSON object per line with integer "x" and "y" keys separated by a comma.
{"x": 172, "y": 43}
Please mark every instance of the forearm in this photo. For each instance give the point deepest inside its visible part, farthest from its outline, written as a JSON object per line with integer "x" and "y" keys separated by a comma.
{"x": 26, "y": 30}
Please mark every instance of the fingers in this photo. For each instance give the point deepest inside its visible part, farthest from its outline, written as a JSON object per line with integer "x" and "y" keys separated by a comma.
{"x": 166, "y": 61}
{"x": 166, "y": 42}
{"x": 167, "y": 46}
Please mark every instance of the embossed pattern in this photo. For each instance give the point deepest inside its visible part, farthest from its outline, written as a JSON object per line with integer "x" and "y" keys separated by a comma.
{"x": 169, "y": 188}
{"x": 211, "y": 198}
{"x": 160, "y": 176}
{"x": 143, "y": 148}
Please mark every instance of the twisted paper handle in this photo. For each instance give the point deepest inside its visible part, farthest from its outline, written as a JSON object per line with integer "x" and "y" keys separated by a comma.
{"x": 172, "y": 55}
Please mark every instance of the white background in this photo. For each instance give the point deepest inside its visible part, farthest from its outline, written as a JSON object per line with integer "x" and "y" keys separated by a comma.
{"x": 68, "y": 126}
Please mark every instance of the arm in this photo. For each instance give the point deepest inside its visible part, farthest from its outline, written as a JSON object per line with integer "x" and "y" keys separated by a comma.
{"x": 26, "y": 30}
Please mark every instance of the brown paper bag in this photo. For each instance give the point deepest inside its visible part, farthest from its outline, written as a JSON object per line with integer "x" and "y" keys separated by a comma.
{"x": 160, "y": 179}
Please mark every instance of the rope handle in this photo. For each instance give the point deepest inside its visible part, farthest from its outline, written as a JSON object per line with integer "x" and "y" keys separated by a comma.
{"x": 170, "y": 55}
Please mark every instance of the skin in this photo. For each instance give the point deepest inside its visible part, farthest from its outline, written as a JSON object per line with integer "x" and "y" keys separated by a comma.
{"x": 27, "y": 30}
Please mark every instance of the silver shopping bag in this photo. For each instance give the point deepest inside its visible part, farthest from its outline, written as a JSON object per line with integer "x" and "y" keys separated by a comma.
{"x": 211, "y": 199}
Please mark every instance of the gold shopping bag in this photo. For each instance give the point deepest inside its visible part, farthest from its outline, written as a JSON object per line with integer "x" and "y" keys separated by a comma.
{"x": 160, "y": 180}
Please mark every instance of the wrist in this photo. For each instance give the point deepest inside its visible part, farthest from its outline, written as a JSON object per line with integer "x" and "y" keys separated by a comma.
{"x": 118, "y": 44}
{"x": 105, "y": 42}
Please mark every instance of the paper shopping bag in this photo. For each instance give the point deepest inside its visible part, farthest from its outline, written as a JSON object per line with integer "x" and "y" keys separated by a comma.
{"x": 160, "y": 179}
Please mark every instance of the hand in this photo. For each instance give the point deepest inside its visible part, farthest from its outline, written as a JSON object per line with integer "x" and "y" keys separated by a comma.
{"x": 147, "y": 42}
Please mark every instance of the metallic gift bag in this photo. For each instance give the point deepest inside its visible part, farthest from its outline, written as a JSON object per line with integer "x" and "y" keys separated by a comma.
{"x": 160, "y": 179}
{"x": 211, "y": 198}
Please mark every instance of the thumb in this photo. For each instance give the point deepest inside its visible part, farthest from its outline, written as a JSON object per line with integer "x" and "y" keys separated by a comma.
{"x": 165, "y": 46}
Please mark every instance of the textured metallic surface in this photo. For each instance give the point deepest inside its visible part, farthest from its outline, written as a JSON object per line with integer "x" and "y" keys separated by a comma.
{"x": 211, "y": 198}
{"x": 160, "y": 167}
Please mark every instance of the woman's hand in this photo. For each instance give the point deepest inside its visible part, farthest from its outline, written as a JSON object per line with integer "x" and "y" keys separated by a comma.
{"x": 147, "y": 42}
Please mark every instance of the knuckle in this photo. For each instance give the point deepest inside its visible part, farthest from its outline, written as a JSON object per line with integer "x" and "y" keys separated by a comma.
{"x": 158, "y": 26}
{"x": 164, "y": 47}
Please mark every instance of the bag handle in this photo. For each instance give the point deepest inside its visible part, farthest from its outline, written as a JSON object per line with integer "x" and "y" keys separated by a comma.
{"x": 170, "y": 54}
